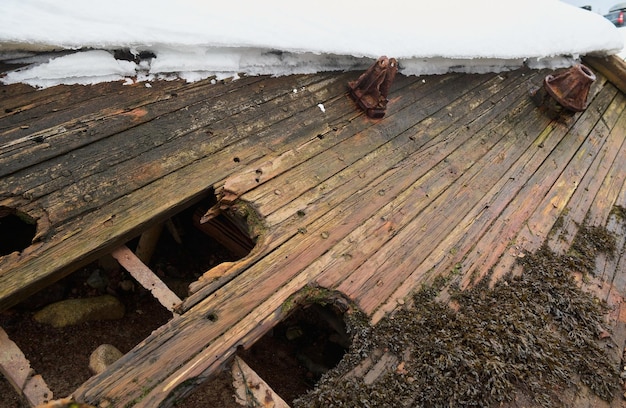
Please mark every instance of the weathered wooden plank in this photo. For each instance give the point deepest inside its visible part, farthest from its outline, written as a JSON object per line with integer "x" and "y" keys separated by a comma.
{"x": 612, "y": 67}
{"x": 13, "y": 364}
{"x": 451, "y": 253}
{"x": 56, "y": 104}
{"x": 597, "y": 193}
{"x": 460, "y": 183}
{"x": 427, "y": 121}
{"x": 265, "y": 171}
{"x": 228, "y": 306}
{"x": 584, "y": 175}
{"x": 530, "y": 180}
{"x": 36, "y": 391}
{"x": 251, "y": 390}
{"x": 16, "y": 369}
{"x": 99, "y": 119}
{"x": 115, "y": 151}
{"x": 571, "y": 178}
{"x": 201, "y": 173}
{"x": 18, "y": 99}
{"x": 146, "y": 277}
{"x": 23, "y": 91}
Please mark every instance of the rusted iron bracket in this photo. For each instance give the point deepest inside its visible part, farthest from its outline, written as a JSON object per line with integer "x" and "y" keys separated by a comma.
{"x": 370, "y": 90}
{"x": 571, "y": 88}
{"x": 567, "y": 90}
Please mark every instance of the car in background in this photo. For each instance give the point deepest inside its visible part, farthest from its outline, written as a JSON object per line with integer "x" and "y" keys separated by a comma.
{"x": 617, "y": 14}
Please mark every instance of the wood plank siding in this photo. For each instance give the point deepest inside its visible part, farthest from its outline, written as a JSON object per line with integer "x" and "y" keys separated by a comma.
{"x": 464, "y": 172}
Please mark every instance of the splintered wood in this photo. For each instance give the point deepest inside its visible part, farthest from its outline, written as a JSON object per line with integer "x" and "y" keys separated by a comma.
{"x": 251, "y": 390}
{"x": 461, "y": 176}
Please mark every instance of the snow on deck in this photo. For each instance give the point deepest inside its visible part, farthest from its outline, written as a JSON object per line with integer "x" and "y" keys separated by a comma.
{"x": 194, "y": 40}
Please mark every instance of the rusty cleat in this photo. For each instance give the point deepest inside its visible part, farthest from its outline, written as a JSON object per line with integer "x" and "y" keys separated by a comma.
{"x": 370, "y": 90}
{"x": 567, "y": 90}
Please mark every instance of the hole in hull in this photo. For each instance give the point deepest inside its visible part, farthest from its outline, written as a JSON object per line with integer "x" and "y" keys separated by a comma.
{"x": 183, "y": 252}
{"x": 293, "y": 356}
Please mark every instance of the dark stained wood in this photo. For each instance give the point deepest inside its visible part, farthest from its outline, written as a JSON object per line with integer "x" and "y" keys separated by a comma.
{"x": 101, "y": 176}
{"x": 463, "y": 173}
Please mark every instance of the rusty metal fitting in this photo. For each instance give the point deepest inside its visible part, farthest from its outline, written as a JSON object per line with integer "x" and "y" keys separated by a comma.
{"x": 370, "y": 90}
{"x": 571, "y": 88}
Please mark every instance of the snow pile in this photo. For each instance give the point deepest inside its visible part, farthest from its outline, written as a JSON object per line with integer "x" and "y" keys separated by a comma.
{"x": 195, "y": 39}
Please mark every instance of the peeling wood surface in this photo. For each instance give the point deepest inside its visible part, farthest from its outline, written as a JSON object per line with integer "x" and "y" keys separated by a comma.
{"x": 463, "y": 173}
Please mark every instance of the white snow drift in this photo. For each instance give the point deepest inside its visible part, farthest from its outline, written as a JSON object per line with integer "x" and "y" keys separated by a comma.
{"x": 194, "y": 39}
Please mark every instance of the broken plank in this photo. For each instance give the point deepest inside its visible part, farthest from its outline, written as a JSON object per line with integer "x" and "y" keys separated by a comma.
{"x": 96, "y": 233}
{"x": 251, "y": 390}
{"x": 146, "y": 277}
{"x": 16, "y": 369}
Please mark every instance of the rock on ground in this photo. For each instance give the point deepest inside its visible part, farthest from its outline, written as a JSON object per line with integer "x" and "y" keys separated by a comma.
{"x": 102, "y": 357}
{"x": 74, "y": 311}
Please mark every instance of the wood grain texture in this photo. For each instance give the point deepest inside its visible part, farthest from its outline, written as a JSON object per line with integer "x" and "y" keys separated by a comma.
{"x": 463, "y": 173}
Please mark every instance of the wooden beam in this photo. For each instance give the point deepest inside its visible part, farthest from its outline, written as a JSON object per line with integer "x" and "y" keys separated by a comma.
{"x": 16, "y": 369}
{"x": 251, "y": 390}
{"x": 612, "y": 67}
{"x": 146, "y": 277}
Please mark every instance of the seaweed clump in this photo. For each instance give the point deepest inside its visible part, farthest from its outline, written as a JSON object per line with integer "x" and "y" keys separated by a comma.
{"x": 537, "y": 333}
